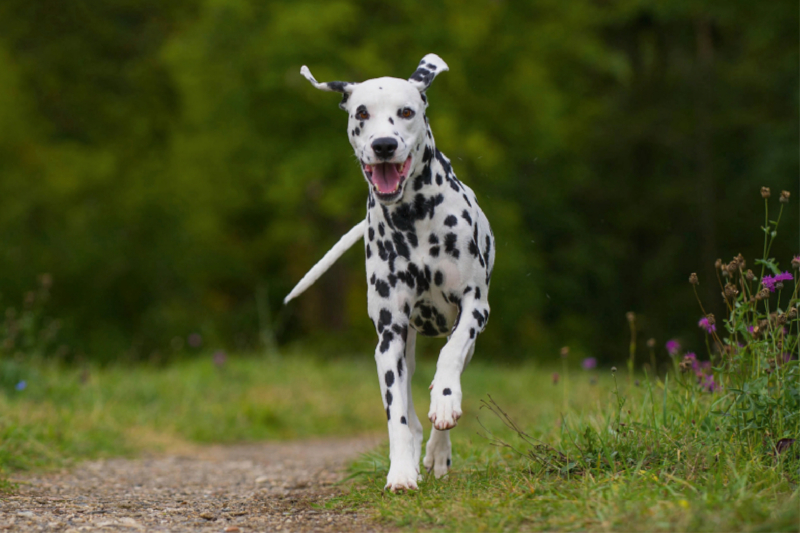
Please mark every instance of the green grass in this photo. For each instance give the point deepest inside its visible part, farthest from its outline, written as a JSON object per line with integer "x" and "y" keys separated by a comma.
{"x": 66, "y": 414}
{"x": 653, "y": 474}
{"x": 657, "y": 472}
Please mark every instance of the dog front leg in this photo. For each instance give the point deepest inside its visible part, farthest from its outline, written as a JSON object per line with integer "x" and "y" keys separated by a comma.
{"x": 393, "y": 375}
{"x": 446, "y": 386}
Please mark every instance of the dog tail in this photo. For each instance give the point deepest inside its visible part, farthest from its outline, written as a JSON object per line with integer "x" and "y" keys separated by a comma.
{"x": 344, "y": 244}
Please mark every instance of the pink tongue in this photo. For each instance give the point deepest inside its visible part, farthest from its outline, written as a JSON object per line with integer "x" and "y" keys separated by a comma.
{"x": 385, "y": 177}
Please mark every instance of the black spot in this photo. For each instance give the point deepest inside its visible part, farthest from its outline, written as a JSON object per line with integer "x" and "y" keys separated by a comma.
{"x": 445, "y": 392}
{"x": 434, "y": 251}
{"x": 478, "y": 316}
{"x": 384, "y": 255}
{"x": 371, "y": 234}
{"x": 427, "y": 155}
{"x": 433, "y": 239}
{"x": 381, "y": 229}
{"x": 465, "y": 216}
{"x": 418, "y": 322}
{"x": 388, "y": 337}
{"x": 407, "y": 309}
{"x": 477, "y": 293}
{"x": 358, "y": 131}
{"x": 388, "y": 397}
{"x": 448, "y": 461}
{"x": 384, "y": 319}
{"x": 418, "y": 183}
{"x": 488, "y": 249}
{"x": 425, "y": 311}
{"x": 423, "y": 75}
{"x": 399, "y": 368}
{"x": 438, "y": 278}
{"x": 339, "y": 86}
{"x": 372, "y": 279}
{"x": 469, "y": 288}
{"x": 403, "y": 421}
{"x": 439, "y": 179}
{"x": 450, "y": 221}
{"x": 471, "y": 333}
{"x": 392, "y": 280}
{"x": 450, "y": 245}
{"x": 466, "y": 200}
{"x": 443, "y": 161}
{"x": 369, "y": 251}
{"x": 412, "y": 239}
{"x": 388, "y": 416}
{"x": 473, "y": 248}
{"x": 382, "y": 287}
{"x": 392, "y": 122}
{"x": 429, "y": 331}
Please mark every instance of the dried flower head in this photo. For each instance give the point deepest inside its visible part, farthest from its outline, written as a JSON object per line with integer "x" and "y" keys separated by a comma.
{"x": 781, "y": 320}
{"x": 765, "y": 192}
{"x": 741, "y": 261}
{"x": 796, "y": 262}
{"x": 732, "y": 267}
{"x": 651, "y": 343}
{"x": 630, "y": 316}
{"x": 749, "y": 275}
{"x": 792, "y": 313}
{"x": 718, "y": 263}
{"x": 613, "y": 370}
{"x": 565, "y": 351}
{"x": 555, "y": 378}
{"x": 784, "y": 199}
{"x": 693, "y": 278}
{"x": 763, "y": 294}
{"x": 730, "y": 292}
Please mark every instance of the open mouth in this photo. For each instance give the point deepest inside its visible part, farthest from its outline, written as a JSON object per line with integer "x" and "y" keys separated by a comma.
{"x": 386, "y": 178}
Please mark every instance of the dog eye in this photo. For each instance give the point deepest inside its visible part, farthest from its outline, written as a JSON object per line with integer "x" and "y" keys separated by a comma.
{"x": 362, "y": 115}
{"x": 406, "y": 112}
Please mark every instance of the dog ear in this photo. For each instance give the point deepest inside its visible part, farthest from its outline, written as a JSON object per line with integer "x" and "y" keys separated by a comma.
{"x": 428, "y": 68}
{"x": 344, "y": 87}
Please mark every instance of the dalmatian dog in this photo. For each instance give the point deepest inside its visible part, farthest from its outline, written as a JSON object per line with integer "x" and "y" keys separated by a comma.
{"x": 430, "y": 253}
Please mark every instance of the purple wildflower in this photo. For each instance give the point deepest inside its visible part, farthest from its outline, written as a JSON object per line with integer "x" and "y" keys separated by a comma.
{"x": 693, "y": 358}
{"x": 194, "y": 340}
{"x": 709, "y": 328}
{"x": 770, "y": 281}
{"x": 220, "y": 358}
{"x": 589, "y": 363}
{"x": 673, "y": 346}
{"x": 22, "y": 385}
{"x": 709, "y": 384}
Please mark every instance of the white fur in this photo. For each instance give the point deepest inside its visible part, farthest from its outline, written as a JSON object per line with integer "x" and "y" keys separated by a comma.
{"x": 344, "y": 244}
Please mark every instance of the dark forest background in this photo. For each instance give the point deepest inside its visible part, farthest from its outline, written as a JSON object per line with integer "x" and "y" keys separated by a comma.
{"x": 171, "y": 171}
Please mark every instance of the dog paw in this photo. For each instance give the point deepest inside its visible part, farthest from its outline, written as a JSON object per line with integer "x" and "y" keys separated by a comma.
{"x": 445, "y": 407}
{"x": 437, "y": 458}
{"x": 401, "y": 477}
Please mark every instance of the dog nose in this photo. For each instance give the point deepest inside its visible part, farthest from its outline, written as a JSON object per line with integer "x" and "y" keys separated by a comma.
{"x": 384, "y": 147}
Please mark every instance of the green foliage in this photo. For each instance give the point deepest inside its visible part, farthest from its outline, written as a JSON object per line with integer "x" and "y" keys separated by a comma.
{"x": 166, "y": 163}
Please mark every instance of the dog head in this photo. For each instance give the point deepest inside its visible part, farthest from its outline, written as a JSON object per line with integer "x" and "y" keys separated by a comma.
{"x": 387, "y": 126}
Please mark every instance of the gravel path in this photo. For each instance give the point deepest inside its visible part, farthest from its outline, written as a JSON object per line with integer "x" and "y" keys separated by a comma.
{"x": 245, "y": 488}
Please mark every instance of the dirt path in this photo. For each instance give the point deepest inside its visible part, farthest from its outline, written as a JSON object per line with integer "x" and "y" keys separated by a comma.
{"x": 258, "y": 487}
